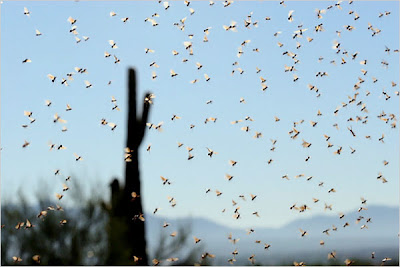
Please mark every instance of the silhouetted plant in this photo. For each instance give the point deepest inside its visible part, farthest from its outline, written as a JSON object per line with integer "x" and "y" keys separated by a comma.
{"x": 127, "y": 235}
{"x": 80, "y": 241}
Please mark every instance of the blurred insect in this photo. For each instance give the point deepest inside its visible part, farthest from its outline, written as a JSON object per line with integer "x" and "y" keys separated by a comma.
{"x": 36, "y": 258}
{"x": 26, "y": 12}
{"x": 303, "y": 233}
{"x": 26, "y": 143}
{"x": 332, "y": 255}
{"x": 16, "y": 259}
{"x": 71, "y": 20}
{"x": 77, "y": 157}
{"x": 210, "y": 152}
{"x": 165, "y": 180}
{"x": 51, "y": 77}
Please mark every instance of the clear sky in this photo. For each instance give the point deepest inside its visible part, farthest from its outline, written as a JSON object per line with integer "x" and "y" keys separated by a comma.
{"x": 25, "y": 87}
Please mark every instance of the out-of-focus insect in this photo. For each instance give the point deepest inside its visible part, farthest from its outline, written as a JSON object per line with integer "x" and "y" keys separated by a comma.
{"x": 165, "y": 180}
{"x": 16, "y": 259}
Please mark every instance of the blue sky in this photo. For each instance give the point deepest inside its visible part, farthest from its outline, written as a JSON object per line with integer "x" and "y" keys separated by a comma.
{"x": 26, "y": 87}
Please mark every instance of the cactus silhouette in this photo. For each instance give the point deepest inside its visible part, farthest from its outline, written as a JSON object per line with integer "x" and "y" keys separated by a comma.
{"x": 126, "y": 233}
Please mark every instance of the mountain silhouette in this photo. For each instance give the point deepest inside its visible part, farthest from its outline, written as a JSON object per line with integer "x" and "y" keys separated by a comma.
{"x": 286, "y": 242}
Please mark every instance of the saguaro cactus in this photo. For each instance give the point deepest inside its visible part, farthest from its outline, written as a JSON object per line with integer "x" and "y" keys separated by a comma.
{"x": 127, "y": 234}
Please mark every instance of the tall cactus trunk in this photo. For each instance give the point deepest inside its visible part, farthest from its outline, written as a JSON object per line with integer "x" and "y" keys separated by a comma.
{"x": 136, "y": 130}
{"x": 126, "y": 233}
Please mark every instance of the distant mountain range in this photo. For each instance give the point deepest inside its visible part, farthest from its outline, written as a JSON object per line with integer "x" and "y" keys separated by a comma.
{"x": 286, "y": 242}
